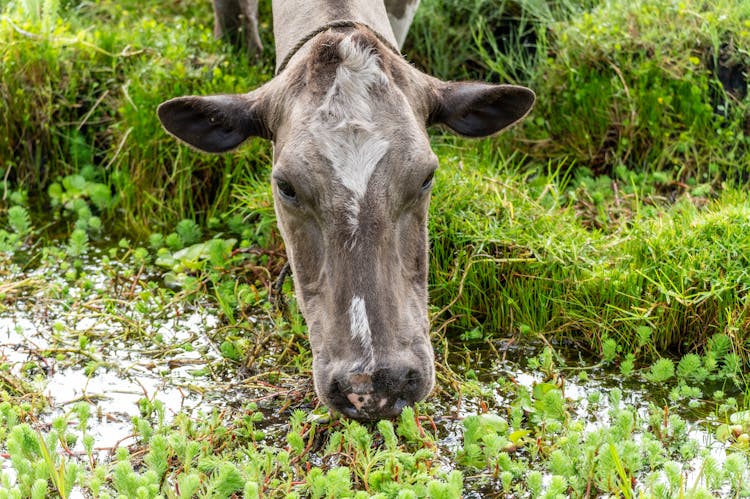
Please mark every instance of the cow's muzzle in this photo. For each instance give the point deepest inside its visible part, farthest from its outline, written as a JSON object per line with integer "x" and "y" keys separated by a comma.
{"x": 378, "y": 394}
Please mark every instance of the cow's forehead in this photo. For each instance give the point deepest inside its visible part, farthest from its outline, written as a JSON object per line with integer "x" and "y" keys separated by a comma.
{"x": 350, "y": 131}
{"x": 354, "y": 140}
{"x": 350, "y": 113}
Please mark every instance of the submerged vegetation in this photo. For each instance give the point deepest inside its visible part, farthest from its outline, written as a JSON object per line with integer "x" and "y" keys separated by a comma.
{"x": 589, "y": 269}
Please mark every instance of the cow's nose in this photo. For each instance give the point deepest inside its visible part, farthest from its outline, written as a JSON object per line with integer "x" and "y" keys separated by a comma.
{"x": 381, "y": 394}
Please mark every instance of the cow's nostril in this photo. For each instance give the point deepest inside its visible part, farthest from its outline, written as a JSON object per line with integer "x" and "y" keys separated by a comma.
{"x": 411, "y": 381}
{"x": 399, "y": 405}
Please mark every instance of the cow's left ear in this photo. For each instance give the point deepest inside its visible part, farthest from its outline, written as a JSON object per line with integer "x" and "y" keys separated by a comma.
{"x": 476, "y": 109}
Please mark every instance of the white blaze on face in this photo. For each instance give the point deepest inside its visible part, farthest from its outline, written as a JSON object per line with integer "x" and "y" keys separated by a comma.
{"x": 343, "y": 124}
{"x": 360, "y": 326}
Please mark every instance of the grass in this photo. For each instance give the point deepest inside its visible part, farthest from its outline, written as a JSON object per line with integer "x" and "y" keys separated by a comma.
{"x": 81, "y": 97}
{"x": 684, "y": 114}
{"x": 521, "y": 255}
{"x": 614, "y": 221}
{"x": 647, "y": 85}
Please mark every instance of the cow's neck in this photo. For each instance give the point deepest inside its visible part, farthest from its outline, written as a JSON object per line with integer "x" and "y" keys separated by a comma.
{"x": 294, "y": 21}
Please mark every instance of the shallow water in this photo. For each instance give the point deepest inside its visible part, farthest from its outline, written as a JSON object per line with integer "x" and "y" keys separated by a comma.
{"x": 588, "y": 399}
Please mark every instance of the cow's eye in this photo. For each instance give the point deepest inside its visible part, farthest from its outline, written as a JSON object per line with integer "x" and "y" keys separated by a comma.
{"x": 286, "y": 189}
{"x": 428, "y": 181}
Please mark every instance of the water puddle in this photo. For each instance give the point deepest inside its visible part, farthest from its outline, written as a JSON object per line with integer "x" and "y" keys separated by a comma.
{"x": 596, "y": 400}
{"x": 115, "y": 376}
{"x": 75, "y": 343}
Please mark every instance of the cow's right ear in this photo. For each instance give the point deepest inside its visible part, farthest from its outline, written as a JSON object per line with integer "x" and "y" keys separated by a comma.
{"x": 216, "y": 123}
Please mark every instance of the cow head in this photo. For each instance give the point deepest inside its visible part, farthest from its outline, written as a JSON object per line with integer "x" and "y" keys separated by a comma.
{"x": 352, "y": 176}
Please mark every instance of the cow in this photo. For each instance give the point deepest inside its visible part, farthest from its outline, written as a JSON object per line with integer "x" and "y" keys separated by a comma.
{"x": 351, "y": 178}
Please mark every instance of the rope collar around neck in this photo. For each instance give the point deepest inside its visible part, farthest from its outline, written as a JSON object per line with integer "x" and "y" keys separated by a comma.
{"x": 339, "y": 23}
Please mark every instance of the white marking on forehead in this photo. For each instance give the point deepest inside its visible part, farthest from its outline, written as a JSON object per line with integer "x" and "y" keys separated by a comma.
{"x": 360, "y": 327}
{"x": 343, "y": 123}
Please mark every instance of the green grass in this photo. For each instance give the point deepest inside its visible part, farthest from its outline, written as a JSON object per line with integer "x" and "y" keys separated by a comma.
{"x": 644, "y": 84}
{"x": 79, "y": 95}
{"x": 523, "y": 253}
{"x": 621, "y": 211}
{"x": 630, "y": 129}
